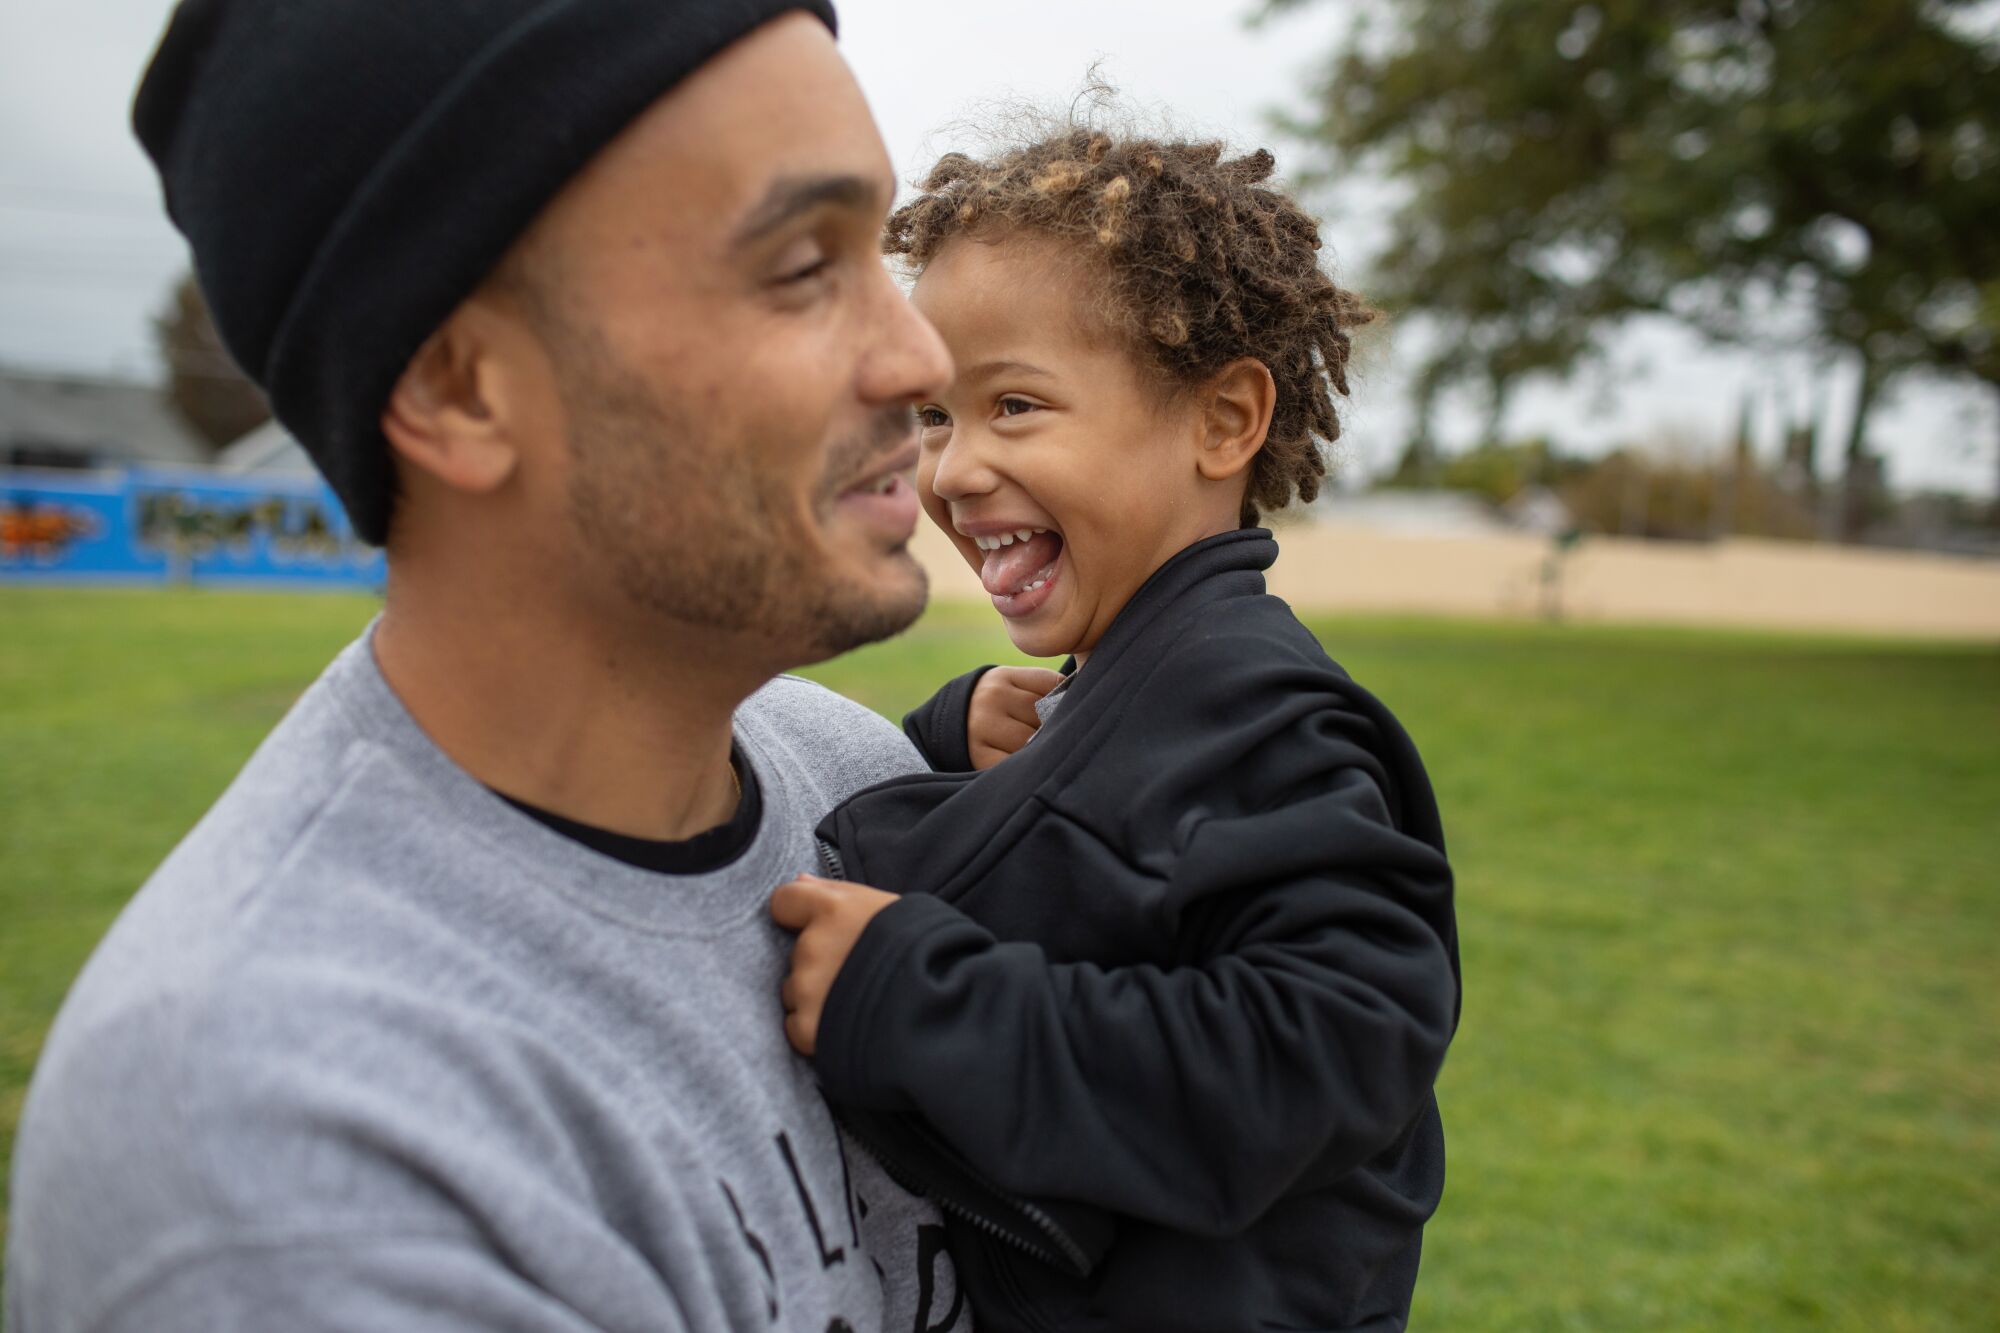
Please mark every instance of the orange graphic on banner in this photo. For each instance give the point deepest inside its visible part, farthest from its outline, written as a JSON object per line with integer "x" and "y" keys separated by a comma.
{"x": 41, "y": 530}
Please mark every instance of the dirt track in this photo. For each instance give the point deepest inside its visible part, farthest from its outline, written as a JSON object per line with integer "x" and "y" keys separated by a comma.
{"x": 1746, "y": 583}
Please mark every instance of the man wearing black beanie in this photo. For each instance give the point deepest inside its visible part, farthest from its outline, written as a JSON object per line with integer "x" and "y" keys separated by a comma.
{"x": 459, "y": 1009}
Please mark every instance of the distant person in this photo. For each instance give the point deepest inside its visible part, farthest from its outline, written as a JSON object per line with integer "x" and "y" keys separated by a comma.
{"x": 459, "y": 1010}
{"x": 1160, "y": 1012}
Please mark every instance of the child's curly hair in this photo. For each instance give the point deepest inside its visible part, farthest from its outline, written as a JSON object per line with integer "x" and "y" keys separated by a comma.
{"x": 1203, "y": 264}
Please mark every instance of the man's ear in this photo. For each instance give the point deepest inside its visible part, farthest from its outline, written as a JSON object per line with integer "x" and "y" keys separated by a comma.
{"x": 1236, "y": 412}
{"x": 446, "y": 414}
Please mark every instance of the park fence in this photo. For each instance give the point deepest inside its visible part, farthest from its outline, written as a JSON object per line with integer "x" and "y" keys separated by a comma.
{"x": 142, "y": 526}
{"x": 1741, "y": 583}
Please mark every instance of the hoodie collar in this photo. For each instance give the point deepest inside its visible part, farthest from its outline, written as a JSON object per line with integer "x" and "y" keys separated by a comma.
{"x": 1233, "y": 562}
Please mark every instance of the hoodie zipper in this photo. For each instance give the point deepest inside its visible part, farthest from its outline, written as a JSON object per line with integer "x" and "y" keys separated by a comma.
{"x": 833, "y": 866}
{"x": 1003, "y": 1275}
{"x": 962, "y": 1211}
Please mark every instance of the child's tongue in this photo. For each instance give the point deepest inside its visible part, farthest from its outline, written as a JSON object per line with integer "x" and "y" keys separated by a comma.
{"x": 1012, "y": 568}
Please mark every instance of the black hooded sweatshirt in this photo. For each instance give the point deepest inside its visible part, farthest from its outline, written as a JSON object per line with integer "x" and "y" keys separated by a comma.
{"x": 1158, "y": 1018}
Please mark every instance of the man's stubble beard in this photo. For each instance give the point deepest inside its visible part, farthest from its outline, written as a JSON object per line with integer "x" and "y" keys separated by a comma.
{"x": 743, "y": 565}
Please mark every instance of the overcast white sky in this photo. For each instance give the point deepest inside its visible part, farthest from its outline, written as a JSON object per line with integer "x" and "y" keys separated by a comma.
{"x": 86, "y": 257}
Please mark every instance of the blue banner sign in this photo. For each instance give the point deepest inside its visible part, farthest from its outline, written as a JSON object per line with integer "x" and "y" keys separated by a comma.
{"x": 179, "y": 527}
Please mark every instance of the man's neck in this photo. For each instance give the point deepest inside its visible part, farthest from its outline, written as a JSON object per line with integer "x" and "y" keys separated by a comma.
{"x": 605, "y": 730}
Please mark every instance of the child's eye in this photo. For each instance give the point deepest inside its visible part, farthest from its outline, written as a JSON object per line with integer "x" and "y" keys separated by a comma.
{"x": 931, "y": 418}
{"x": 1014, "y": 407}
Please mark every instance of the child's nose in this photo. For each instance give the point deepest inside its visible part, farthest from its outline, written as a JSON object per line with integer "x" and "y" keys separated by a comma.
{"x": 961, "y": 470}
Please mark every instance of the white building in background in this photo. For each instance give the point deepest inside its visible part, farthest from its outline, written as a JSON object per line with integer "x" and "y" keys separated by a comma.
{"x": 1411, "y": 513}
{"x": 268, "y": 451}
{"x": 1442, "y": 513}
{"x": 73, "y": 421}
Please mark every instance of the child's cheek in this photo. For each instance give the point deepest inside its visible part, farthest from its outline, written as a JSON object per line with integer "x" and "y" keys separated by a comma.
{"x": 937, "y": 510}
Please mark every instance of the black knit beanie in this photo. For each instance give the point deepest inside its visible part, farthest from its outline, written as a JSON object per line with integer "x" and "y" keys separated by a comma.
{"x": 348, "y": 171}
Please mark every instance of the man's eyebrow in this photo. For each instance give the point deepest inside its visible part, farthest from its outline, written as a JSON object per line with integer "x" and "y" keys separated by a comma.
{"x": 793, "y": 195}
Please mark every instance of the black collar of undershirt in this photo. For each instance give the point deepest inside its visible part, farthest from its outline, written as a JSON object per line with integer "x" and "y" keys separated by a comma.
{"x": 704, "y": 852}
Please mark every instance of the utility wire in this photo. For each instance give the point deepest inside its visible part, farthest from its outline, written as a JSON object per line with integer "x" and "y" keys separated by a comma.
{"x": 81, "y": 196}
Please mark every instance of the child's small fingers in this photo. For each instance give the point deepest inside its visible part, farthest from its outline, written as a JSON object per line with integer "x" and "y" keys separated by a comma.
{"x": 1021, "y": 707}
{"x": 794, "y": 904}
{"x": 1001, "y": 742}
{"x": 801, "y": 1032}
{"x": 1015, "y": 731}
{"x": 808, "y": 951}
{"x": 1038, "y": 681}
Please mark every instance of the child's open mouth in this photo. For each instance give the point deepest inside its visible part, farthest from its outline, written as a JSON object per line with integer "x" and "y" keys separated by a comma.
{"x": 1020, "y": 569}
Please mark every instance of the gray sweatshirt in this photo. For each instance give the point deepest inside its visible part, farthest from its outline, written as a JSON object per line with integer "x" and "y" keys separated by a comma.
{"x": 374, "y": 1051}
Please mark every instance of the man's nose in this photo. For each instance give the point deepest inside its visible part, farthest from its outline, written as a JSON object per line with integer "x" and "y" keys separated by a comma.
{"x": 909, "y": 360}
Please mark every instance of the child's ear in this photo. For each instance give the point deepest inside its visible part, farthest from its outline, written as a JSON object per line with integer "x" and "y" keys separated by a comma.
{"x": 447, "y": 414}
{"x": 1237, "y": 407}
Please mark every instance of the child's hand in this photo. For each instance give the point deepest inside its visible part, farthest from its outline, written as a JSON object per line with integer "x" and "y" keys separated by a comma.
{"x": 829, "y": 915}
{"x": 1001, "y": 716}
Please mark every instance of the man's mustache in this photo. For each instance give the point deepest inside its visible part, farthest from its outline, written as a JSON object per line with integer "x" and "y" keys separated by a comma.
{"x": 869, "y": 448}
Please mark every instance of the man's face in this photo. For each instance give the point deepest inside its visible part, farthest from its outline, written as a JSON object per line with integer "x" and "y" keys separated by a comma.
{"x": 732, "y": 367}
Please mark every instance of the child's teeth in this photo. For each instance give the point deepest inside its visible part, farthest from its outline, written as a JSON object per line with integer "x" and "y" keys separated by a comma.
{"x": 1007, "y": 538}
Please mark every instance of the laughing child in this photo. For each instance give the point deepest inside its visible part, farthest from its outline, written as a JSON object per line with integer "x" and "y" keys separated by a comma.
{"x": 1157, "y": 1016}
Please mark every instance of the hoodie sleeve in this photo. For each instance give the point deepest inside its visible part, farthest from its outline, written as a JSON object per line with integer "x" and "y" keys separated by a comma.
{"x": 1299, "y": 1037}
{"x": 937, "y": 727}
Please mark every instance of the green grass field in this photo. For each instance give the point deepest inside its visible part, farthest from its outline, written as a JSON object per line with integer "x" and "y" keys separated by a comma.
{"x": 1731, "y": 1049}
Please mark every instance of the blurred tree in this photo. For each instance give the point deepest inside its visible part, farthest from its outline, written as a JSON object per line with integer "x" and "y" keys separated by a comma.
{"x": 1497, "y": 471}
{"x": 205, "y": 386}
{"x": 1640, "y": 493}
{"x": 1734, "y": 164}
